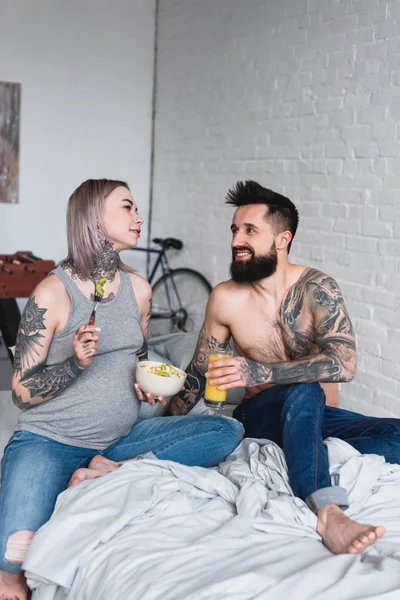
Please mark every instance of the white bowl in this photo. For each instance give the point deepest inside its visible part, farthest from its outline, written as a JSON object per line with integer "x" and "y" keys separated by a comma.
{"x": 156, "y": 384}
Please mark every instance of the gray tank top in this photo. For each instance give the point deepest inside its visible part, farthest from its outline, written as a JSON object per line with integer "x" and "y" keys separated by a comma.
{"x": 100, "y": 406}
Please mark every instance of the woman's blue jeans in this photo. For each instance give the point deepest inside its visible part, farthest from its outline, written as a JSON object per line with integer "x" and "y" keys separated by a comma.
{"x": 35, "y": 469}
{"x": 296, "y": 418}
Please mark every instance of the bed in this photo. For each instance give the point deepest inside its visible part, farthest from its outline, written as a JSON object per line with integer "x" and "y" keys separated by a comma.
{"x": 157, "y": 530}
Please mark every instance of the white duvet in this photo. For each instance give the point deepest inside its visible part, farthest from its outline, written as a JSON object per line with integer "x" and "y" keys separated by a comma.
{"x": 157, "y": 530}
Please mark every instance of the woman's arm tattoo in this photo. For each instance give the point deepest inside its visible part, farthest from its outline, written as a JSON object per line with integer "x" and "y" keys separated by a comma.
{"x": 29, "y": 338}
{"x": 42, "y": 382}
{"x": 142, "y": 354}
{"x": 45, "y": 383}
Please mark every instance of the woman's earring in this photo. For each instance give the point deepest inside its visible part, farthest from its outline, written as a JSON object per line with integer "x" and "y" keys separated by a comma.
{"x": 99, "y": 234}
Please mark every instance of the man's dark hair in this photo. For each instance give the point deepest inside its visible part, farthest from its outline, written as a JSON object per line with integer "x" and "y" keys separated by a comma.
{"x": 281, "y": 211}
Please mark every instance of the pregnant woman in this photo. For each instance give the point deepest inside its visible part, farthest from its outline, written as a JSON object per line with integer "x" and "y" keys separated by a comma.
{"x": 74, "y": 382}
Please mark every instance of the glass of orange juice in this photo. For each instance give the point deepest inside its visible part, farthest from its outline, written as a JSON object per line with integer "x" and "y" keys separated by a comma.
{"x": 213, "y": 397}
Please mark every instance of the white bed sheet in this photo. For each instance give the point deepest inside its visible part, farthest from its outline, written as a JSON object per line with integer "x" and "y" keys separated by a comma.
{"x": 156, "y": 530}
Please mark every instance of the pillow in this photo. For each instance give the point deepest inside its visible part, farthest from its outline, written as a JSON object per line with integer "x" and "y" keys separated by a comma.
{"x": 178, "y": 348}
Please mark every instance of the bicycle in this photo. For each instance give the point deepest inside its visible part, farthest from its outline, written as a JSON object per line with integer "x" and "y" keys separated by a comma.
{"x": 179, "y": 295}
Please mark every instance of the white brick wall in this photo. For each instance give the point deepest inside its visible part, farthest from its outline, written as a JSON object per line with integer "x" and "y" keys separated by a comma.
{"x": 304, "y": 97}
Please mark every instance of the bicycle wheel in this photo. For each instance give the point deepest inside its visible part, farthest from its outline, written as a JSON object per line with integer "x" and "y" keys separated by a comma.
{"x": 179, "y": 302}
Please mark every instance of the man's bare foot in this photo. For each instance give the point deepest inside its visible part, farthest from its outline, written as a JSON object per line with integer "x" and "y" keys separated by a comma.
{"x": 13, "y": 586}
{"x": 341, "y": 535}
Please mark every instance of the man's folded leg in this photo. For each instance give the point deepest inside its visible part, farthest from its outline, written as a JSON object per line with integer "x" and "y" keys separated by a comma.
{"x": 368, "y": 435}
{"x": 292, "y": 416}
{"x": 302, "y": 416}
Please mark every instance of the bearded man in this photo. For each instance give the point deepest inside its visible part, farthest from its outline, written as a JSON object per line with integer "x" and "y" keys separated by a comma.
{"x": 293, "y": 339}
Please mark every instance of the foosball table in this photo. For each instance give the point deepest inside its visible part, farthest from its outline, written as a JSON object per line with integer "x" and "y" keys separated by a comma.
{"x": 19, "y": 275}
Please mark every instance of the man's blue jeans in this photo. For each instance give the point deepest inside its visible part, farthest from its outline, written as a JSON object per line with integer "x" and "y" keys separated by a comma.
{"x": 35, "y": 469}
{"x": 296, "y": 418}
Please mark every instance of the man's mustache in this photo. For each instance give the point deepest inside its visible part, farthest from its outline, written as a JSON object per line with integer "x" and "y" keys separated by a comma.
{"x": 242, "y": 249}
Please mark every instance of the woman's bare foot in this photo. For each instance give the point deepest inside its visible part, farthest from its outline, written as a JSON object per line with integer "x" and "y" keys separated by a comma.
{"x": 13, "y": 586}
{"x": 341, "y": 535}
{"x": 98, "y": 466}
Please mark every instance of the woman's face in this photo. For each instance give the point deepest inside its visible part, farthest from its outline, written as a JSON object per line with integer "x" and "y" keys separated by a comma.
{"x": 121, "y": 219}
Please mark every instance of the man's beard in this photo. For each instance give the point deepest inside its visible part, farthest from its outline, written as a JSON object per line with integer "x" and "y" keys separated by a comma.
{"x": 255, "y": 267}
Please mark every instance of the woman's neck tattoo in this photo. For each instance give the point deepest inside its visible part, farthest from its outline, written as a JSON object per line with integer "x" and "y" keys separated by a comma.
{"x": 105, "y": 264}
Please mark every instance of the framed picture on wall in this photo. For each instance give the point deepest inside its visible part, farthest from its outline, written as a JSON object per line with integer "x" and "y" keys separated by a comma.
{"x": 10, "y": 103}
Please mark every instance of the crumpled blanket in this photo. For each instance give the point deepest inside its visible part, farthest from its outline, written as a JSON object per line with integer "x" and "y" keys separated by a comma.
{"x": 157, "y": 530}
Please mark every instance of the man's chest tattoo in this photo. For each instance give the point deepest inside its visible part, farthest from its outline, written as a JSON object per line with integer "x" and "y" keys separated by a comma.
{"x": 295, "y": 319}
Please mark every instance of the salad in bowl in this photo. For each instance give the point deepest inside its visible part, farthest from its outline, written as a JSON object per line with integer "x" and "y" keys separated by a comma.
{"x": 159, "y": 379}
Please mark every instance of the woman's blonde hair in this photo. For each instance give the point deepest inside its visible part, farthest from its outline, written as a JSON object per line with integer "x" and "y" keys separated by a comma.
{"x": 84, "y": 215}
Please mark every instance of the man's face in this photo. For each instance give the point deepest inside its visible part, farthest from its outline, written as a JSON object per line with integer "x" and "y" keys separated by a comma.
{"x": 254, "y": 255}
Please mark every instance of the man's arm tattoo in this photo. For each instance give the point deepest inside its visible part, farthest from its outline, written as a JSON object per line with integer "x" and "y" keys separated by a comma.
{"x": 323, "y": 293}
{"x": 195, "y": 383}
{"x": 327, "y": 295}
{"x": 322, "y": 367}
{"x": 206, "y": 345}
{"x": 193, "y": 390}
{"x": 142, "y": 354}
{"x": 335, "y": 359}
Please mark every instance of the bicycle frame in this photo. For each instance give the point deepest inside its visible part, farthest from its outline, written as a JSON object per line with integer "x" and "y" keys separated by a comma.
{"x": 162, "y": 261}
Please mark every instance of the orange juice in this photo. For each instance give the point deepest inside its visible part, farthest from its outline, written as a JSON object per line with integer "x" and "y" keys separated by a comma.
{"x": 214, "y": 397}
